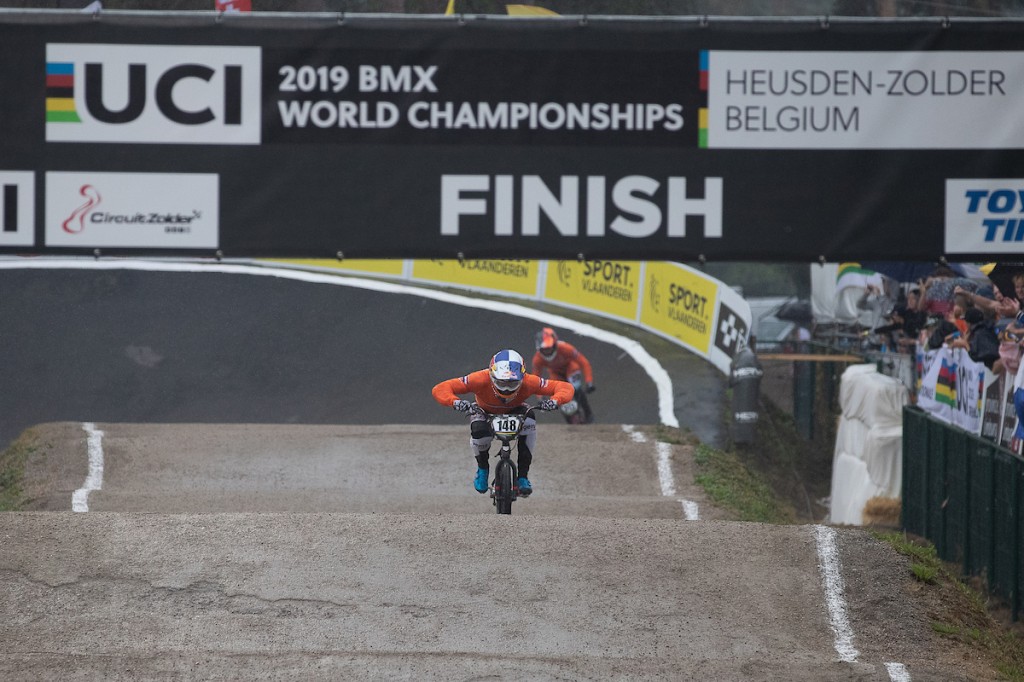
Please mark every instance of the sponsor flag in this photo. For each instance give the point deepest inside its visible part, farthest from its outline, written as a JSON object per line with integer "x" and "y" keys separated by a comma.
{"x": 945, "y": 386}
{"x": 853, "y": 275}
{"x": 233, "y": 5}
{"x": 528, "y": 11}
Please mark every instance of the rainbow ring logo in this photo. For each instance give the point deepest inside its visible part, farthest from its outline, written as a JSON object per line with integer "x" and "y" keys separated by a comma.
{"x": 702, "y": 114}
{"x": 60, "y": 93}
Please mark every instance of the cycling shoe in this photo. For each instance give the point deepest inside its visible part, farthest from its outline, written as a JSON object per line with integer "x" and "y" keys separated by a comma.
{"x": 525, "y": 489}
{"x": 480, "y": 482}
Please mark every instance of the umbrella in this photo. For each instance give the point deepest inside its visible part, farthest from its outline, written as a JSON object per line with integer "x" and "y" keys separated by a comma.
{"x": 1002, "y": 274}
{"x": 912, "y": 271}
{"x": 795, "y": 311}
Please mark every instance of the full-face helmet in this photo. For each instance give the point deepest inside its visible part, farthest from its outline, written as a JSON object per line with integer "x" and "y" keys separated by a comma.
{"x": 507, "y": 368}
{"x": 546, "y": 342}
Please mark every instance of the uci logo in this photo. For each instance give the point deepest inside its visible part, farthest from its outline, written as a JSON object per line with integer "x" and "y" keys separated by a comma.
{"x": 155, "y": 94}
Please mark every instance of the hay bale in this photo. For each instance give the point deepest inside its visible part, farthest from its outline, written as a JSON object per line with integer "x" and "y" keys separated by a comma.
{"x": 882, "y": 511}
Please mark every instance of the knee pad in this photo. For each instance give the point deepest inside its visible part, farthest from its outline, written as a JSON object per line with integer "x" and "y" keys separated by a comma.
{"x": 480, "y": 435}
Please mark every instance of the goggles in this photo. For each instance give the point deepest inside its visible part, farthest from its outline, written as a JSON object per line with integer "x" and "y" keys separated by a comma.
{"x": 507, "y": 385}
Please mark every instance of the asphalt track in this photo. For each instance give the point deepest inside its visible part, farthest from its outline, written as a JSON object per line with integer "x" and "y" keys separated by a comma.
{"x": 181, "y": 347}
{"x": 271, "y": 494}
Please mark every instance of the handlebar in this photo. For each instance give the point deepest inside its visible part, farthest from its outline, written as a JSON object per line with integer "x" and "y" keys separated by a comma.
{"x": 526, "y": 409}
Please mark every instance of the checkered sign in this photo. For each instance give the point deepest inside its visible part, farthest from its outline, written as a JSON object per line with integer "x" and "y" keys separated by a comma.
{"x": 731, "y": 328}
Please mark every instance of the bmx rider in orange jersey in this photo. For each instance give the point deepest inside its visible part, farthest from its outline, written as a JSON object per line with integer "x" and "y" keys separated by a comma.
{"x": 502, "y": 388}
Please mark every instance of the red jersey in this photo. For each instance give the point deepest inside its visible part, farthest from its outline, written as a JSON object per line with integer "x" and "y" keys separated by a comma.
{"x": 566, "y": 361}
{"x": 479, "y": 384}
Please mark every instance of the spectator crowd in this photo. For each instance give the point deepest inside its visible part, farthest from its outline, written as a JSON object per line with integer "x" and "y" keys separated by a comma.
{"x": 946, "y": 309}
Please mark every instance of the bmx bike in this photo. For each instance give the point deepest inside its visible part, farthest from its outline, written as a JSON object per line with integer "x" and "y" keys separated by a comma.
{"x": 576, "y": 410}
{"x": 506, "y": 429}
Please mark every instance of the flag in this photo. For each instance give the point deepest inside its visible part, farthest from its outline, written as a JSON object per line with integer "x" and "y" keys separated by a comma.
{"x": 233, "y": 5}
{"x": 853, "y": 275}
{"x": 528, "y": 11}
{"x": 945, "y": 387}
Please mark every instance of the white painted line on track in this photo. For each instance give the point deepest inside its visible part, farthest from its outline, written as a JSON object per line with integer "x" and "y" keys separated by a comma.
{"x": 835, "y": 600}
{"x": 897, "y": 672}
{"x": 668, "y": 483}
{"x": 832, "y": 581}
{"x": 637, "y": 436}
{"x": 658, "y": 374}
{"x": 665, "y": 477}
{"x": 94, "y": 479}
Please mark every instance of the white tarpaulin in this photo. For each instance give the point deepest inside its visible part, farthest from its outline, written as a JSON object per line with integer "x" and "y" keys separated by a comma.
{"x": 834, "y": 294}
{"x": 869, "y": 443}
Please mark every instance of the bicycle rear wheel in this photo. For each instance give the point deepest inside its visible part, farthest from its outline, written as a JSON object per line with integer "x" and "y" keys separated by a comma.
{"x": 503, "y": 492}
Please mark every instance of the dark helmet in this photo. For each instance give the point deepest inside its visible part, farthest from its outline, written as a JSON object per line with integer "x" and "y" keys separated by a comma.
{"x": 547, "y": 343}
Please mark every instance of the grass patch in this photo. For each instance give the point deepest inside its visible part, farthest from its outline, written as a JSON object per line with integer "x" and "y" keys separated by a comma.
{"x": 12, "y": 471}
{"x": 674, "y": 436}
{"x": 924, "y": 573}
{"x": 731, "y": 485}
{"x": 960, "y": 612}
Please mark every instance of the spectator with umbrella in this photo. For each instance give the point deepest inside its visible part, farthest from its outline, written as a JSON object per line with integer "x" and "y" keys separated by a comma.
{"x": 939, "y": 289}
{"x": 992, "y": 301}
{"x": 1008, "y": 278}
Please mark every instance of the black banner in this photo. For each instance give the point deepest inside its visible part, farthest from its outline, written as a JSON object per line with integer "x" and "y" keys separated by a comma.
{"x": 495, "y": 138}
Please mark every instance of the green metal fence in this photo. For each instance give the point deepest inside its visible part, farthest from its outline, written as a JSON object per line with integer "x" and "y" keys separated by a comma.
{"x": 966, "y": 495}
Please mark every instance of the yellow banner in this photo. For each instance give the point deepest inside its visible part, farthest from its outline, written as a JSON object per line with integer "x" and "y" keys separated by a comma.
{"x": 382, "y": 266}
{"x": 513, "y": 276}
{"x": 611, "y": 287}
{"x": 680, "y": 304}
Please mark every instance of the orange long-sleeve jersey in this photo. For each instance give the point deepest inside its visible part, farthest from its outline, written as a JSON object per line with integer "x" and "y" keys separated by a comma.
{"x": 479, "y": 384}
{"x": 566, "y": 361}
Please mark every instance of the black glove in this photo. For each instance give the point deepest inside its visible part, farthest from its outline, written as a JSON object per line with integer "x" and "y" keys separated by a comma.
{"x": 591, "y": 388}
{"x": 461, "y": 405}
{"x": 548, "y": 405}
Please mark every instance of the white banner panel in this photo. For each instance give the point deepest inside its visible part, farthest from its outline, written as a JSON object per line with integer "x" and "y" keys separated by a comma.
{"x": 17, "y": 208}
{"x": 126, "y": 210}
{"x": 865, "y": 100}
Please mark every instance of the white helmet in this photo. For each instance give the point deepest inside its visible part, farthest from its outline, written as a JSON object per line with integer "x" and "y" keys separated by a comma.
{"x": 507, "y": 370}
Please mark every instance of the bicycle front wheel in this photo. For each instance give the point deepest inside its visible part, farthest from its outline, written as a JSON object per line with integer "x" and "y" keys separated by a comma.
{"x": 503, "y": 492}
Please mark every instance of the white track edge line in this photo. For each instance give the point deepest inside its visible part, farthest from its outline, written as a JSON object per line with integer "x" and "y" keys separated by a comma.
{"x": 94, "y": 479}
{"x": 897, "y": 672}
{"x": 835, "y": 601}
{"x": 665, "y": 477}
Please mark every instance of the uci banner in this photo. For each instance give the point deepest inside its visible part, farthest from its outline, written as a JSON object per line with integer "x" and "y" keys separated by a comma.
{"x": 952, "y": 387}
{"x": 445, "y": 138}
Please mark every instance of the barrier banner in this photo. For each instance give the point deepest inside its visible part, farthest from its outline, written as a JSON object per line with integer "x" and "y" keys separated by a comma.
{"x": 511, "y": 276}
{"x": 952, "y": 388}
{"x": 432, "y": 137}
{"x": 680, "y": 303}
{"x": 611, "y": 288}
{"x": 999, "y": 417}
{"x": 392, "y": 267}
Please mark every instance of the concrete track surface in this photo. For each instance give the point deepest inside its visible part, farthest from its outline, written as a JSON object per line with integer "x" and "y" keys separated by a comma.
{"x": 255, "y": 513}
{"x": 267, "y": 552}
